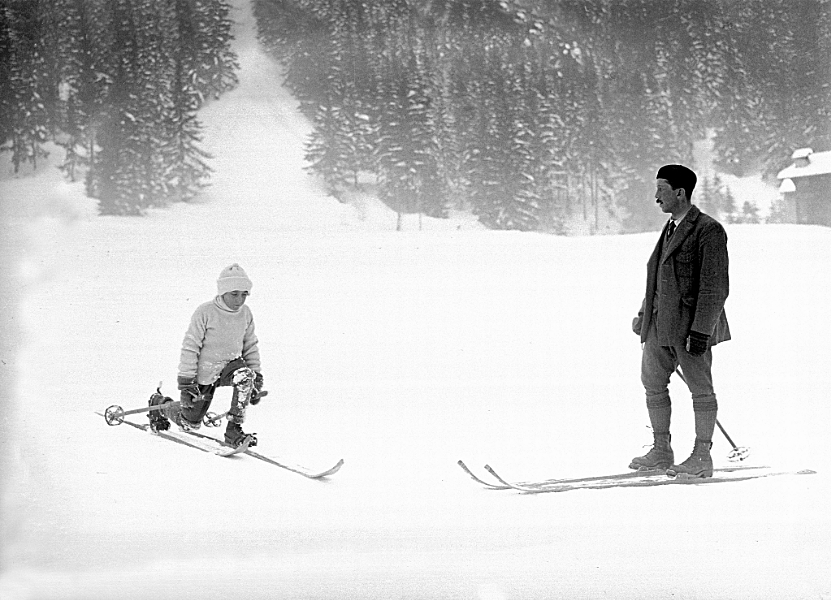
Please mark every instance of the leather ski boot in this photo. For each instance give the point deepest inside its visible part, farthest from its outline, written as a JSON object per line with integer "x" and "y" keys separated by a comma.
{"x": 234, "y": 435}
{"x": 158, "y": 420}
{"x": 699, "y": 464}
{"x": 186, "y": 425}
{"x": 660, "y": 456}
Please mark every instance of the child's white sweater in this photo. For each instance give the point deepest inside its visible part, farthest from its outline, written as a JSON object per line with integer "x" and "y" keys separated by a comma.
{"x": 216, "y": 336}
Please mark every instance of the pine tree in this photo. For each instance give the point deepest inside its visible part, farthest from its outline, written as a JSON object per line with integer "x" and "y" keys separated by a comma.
{"x": 485, "y": 115}
{"x": 324, "y": 152}
{"x": 133, "y": 153}
{"x": 6, "y": 95}
{"x": 774, "y": 95}
{"x": 738, "y": 116}
{"x": 148, "y": 136}
{"x": 301, "y": 37}
{"x": 203, "y": 66}
{"x": 729, "y": 207}
{"x": 117, "y": 84}
{"x": 26, "y": 120}
{"x": 750, "y": 212}
{"x": 721, "y": 204}
{"x": 204, "y": 51}
{"x": 778, "y": 212}
{"x": 524, "y": 207}
{"x": 407, "y": 150}
{"x": 488, "y": 162}
{"x": 74, "y": 48}
{"x": 703, "y": 198}
{"x": 802, "y": 92}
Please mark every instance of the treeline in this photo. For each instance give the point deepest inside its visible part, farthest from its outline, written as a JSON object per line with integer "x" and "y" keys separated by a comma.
{"x": 529, "y": 111}
{"x": 117, "y": 84}
{"x": 717, "y": 200}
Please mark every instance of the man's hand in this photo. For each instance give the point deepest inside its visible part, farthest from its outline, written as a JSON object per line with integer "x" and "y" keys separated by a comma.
{"x": 636, "y": 325}
{"x": 697, "y": 343}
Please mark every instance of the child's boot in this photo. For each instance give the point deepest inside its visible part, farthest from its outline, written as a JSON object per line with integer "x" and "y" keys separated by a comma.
{"x": 186, "y": 425}
{"x": 158, "y": 420}
{"x": 234, "y": 435}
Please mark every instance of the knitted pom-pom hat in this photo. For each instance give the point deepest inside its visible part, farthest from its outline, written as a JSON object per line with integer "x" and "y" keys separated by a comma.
{"x": 233, "y": 278}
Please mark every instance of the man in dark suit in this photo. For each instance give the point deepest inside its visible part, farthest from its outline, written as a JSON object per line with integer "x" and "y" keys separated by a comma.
{"x": 681, "y": 318}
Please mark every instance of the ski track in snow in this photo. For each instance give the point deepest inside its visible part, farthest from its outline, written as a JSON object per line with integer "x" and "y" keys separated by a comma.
{"x": 400, "y": 353}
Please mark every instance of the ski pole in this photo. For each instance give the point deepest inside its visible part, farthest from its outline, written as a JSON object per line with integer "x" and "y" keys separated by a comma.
{"x": 212, "y": 419}
{"x": 738, "y": 453}
{"x": 732, "y": 443}
{"x": 114, "y": 415}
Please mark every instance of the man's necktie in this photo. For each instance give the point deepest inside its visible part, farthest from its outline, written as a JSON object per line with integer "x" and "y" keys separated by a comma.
{"x": 670, "y": 229}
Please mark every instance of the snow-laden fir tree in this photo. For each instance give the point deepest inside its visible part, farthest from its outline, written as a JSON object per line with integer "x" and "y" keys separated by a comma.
{"x": 25, "y": 118}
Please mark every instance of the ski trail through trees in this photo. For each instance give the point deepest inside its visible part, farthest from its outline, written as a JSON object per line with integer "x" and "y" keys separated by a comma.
{"x": 256, "y": 136}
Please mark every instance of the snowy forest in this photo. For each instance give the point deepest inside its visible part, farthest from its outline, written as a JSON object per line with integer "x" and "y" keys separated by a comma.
{"x": 523, "y": 112}
{"x": 117, "y": 84}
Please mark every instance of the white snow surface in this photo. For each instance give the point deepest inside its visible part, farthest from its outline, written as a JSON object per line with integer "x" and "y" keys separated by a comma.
{"x": 400, "y": 352}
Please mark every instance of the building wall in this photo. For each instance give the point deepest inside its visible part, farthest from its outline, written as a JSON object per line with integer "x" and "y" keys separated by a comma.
{"x": 812, "y": 199}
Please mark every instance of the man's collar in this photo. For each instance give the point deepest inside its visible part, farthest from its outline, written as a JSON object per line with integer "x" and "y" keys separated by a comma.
{"x": 681, "y": 218}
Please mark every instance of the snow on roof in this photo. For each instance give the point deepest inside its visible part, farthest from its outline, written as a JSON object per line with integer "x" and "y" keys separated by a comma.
{"x": 807, "y": 164}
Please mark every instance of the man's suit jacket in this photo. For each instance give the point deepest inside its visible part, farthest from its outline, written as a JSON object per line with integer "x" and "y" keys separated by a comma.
{"x": 693, "y": 267}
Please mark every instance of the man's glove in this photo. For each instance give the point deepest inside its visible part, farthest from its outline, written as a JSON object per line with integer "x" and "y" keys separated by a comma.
{"x": 636, "y": 325}
{"x": 697, "y": 343}
{"x": 190, "y": 391}
{"x": 256, "y": 393}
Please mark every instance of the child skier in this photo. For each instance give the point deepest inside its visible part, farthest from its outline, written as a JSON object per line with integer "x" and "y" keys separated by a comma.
{"x": 219, "y": 349}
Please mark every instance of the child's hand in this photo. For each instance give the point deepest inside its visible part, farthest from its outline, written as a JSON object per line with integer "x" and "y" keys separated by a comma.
{"x": 257, "y": 392}
{"x": 190, "y": 388}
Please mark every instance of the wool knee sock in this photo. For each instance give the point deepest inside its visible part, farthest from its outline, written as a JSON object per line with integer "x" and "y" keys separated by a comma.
{"x": 660, "y": 413}
{"x": 705, "y": 410}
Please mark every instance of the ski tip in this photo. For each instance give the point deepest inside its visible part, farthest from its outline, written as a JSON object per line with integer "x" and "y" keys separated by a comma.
{"x": 490, "y": 470}
{"x": 324, "y": 474}
{"x": 230, "y": 451}
{"x": 336, "y": 468}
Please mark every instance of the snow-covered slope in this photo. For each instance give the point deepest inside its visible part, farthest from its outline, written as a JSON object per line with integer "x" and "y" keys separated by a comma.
{"x": 401, "y": 353}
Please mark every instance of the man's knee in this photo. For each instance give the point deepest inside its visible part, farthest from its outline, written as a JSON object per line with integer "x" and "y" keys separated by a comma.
{"x": 660, "y": 400}
{"x": 656, "y": 368}
{"x": 705, "y": 403}
{"x": 655, "y": 380}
